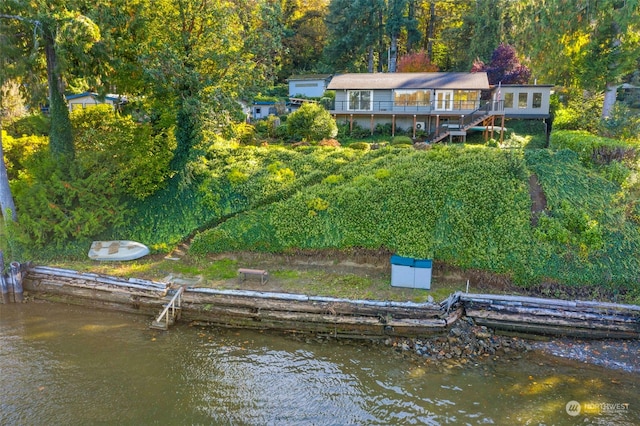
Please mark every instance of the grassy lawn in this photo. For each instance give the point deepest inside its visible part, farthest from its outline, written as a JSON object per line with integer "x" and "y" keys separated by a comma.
{"x": 333, "y": 280}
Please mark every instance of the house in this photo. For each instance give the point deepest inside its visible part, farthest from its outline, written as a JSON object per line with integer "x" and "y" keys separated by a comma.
{"x": 90, "y": 99}
{"x": 437, "y": 104}
{"x": 308, "y": 86}
{"x": 263, "y": 109}
{"x": 304, "y": 87}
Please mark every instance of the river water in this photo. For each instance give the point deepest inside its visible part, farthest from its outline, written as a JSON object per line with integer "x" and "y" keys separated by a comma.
{"x": 65, "y": 365}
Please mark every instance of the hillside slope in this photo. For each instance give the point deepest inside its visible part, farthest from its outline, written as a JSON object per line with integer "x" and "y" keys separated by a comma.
{"x": 467, "y": 206}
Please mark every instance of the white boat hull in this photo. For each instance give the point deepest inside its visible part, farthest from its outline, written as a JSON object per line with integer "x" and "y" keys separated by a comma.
{"x": 117, "y": 250}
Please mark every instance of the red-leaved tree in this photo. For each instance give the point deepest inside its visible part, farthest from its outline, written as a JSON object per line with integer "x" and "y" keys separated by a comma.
{"x": 505, "y": 67}
{"x": 416, "y": 62}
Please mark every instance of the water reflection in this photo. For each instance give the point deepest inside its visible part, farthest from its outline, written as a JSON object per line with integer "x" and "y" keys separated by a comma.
{"x": 69, "y": 365}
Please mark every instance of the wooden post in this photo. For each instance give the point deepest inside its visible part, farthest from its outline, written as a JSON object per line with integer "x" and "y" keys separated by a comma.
{"x": 393, "y": 125}
{"x": 414, "y": 126}
{"x": 371, "y": 125}
{"x": 502, "y": 129}
{"x": 350, "y": 123}
{"x": 3, "y": 282}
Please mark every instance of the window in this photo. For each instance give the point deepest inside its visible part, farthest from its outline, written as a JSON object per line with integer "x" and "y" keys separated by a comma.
{"x": 508, "y": 100}
{"x": 360, "y": 100}
{"x": 412, "y": 97}
{"x": 522, "y": 100}
{"x": 537, "y": 100}
{"x": 465, "y": 99}
{"x": 258, "y": 111}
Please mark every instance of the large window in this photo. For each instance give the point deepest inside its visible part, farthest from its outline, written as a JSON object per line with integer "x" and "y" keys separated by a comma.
{"x": 466, "y": 99}
{"x": 522, "y": 100}
{"x": 414, "y": 98}
{"x": 508, "y": 100}
{"x": 360, "y": 100}
{"x": 537, "y": 100}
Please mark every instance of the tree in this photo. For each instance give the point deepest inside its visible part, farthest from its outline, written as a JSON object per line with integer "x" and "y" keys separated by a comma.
{"x": 305, "y": 34}
{"x": 311, "y": 122}
{"x": 416, "y": 62}
{"x": 64, "y": 37}
{"x": 588, "y": 45}
{"x": 505, "y": 67}
{"x": 201, "y": 58}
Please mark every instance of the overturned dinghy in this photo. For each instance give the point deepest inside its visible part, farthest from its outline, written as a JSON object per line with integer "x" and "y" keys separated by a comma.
{"x": 117, "y": 250}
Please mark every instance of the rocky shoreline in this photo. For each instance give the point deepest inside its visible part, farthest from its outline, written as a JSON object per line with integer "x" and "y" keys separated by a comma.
{"x": 468, "y": 343}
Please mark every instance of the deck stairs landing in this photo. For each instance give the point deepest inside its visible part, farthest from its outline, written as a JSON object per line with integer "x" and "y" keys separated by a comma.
{"x": 171, "y": 312}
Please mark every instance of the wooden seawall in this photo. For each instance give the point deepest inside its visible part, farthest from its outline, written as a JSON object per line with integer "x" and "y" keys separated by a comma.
{"x": 245, "y": 309}
{"x": 333, "y": 316}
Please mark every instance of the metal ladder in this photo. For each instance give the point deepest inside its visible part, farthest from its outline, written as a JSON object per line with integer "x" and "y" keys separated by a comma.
{"x": 170, "y": 313}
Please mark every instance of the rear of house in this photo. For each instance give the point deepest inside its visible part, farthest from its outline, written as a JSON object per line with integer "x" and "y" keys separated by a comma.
{"x": 432, "y": 103}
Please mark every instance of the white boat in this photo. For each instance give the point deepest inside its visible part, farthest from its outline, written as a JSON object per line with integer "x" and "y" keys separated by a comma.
{"x": 117, "y": 250}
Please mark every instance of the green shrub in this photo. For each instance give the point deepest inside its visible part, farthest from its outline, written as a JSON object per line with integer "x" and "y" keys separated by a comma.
{"x": 55, "y": 207}
{"x": 594, "y": 149}
{"x": 109, "y": 143}
{"x": 363, "y": 146}
{"x": 18, "y": 150}
{"x": 401, "y": 140}
{"x": 311, "y": 122}
{"x": 31, "y": 125}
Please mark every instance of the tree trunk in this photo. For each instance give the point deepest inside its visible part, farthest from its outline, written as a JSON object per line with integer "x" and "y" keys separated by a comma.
{"x": 431, "y": 30}
{"x": 60, "y": 137}
{"x": 6, "y": 199}
{"x": 370, "y": 60}
{"x": 393, "y": 56}
{"x": 609, "y": 99}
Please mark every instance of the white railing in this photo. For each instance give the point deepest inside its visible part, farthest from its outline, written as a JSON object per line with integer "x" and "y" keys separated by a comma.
{"x": 170, "y": 310}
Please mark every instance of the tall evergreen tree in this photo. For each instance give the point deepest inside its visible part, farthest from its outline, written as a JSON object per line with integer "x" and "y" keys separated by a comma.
{"x": 589, "y": 44}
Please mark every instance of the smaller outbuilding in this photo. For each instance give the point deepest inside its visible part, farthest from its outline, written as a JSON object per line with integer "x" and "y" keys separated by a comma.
{"x": 91, "y": 99}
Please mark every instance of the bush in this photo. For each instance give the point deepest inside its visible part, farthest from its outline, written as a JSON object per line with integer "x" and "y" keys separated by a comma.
{"x": 363, "y": 146}
{"x": 31, "y": 125}
{"x": 329, "y": 142}
{"x": 594, "y": 149}
{"x": 311, "y": 122}
{"x": 106, "y": 142}
{"x": 17, "y": 151}
{"x": 401, "y": 140}
{"x": 55, "y": 207}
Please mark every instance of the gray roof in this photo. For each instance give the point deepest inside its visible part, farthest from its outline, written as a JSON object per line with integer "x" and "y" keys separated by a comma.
{"x": 411, "y": 80}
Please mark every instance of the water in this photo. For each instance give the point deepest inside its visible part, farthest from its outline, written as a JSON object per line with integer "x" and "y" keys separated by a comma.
{"x": 62, "y": 365}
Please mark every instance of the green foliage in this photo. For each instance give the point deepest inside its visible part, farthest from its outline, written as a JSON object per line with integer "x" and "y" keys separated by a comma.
{"x": 311, "y": 122}
{"x": 581, "y": 112}
{"x": 17, "y": 151}
{"x": 107, "y": 143}
{"x": 402, "y": 140}
{"x": 622, "y": 124}
{"x": 33, "y": 124}
{"x": 364, "y": 146}
{"x": 244, "y": 133}
{"x": 57, "y": 206}
{"x": 594, "y": 149}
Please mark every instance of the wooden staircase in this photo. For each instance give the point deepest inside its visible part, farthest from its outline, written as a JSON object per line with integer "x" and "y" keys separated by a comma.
{"x": 171, "y": 312}
{"x": 483, "y": 115}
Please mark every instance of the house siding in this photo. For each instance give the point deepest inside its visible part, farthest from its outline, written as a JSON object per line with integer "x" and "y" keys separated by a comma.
{"x": 526, "y": 94}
